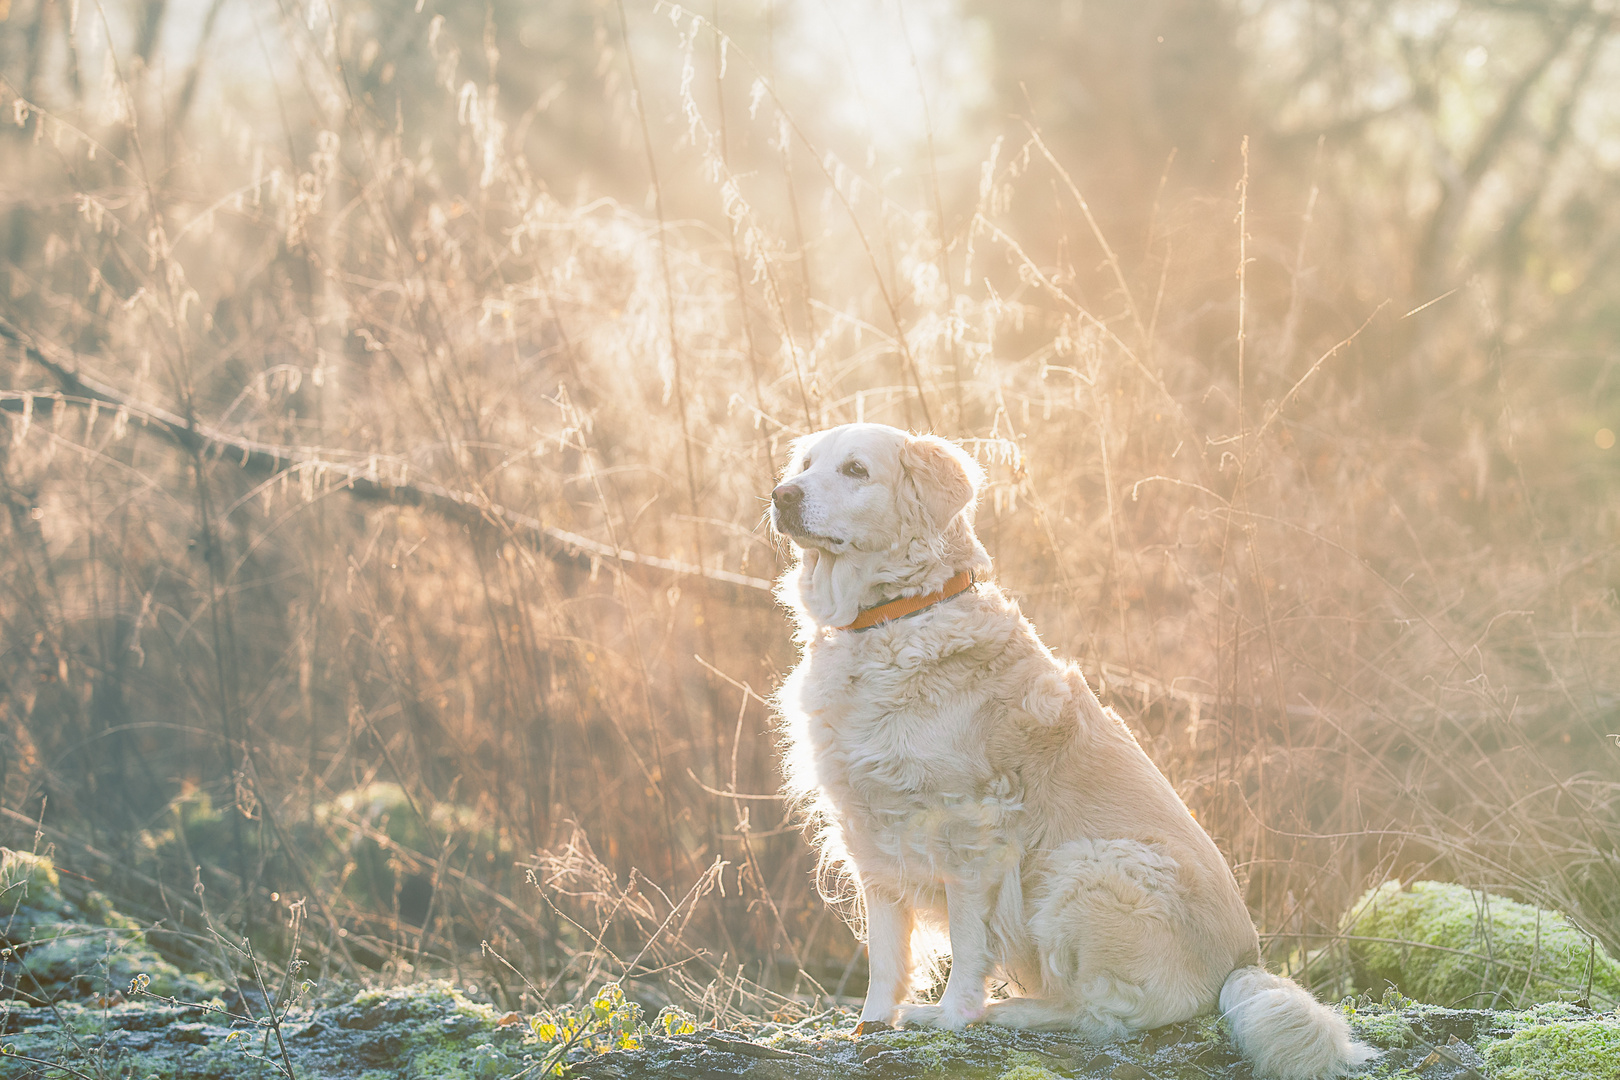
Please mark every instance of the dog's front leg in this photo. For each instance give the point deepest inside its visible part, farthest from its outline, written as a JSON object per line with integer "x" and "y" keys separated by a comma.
{"x": 962, "y": 1003}
{"x": 888, "y": 951}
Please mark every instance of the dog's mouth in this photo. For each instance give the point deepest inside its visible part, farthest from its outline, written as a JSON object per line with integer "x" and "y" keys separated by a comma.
{"x": 789, "y": 524}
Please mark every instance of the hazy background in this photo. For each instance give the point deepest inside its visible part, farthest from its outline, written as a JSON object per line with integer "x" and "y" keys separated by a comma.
{"x": 390, "y": 393}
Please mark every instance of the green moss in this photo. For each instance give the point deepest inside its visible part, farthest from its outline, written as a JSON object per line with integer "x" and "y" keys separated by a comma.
{"x": 442, "y": 1035}
{"x": 914, "y": 1038}
{"x": 1540, "y": 1014}
{"x": 99, "y": 911}
{"x": 1382, "y": 1027}
{"x": 929, "y": 1047}
{"x": 1022, "y": 1065}
{"x": 192, "y": 829}
{"x": 1578, "y": 1050}
{"x": 1024, "y": 1057}
{"x": 28, "y": 883}
{"x": 363, "y": 840}
{"x": 65, "y": 950}
{"x": 72, "y": 960}
{"x": 438, "y": 1063}
{"x": 780, "y": 1040}
{"x": 433, "y": 999}
{"x": 488, "y": 1063}
{"x": 1030, "y": 1072}
{"x": 1448, "y": 945}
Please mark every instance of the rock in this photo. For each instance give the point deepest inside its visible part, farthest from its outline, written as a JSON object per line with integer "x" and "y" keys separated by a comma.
{"x": 1579, "y": 1050}
{"x": 56, "y": 950}
{"x": 1446, "y": 944}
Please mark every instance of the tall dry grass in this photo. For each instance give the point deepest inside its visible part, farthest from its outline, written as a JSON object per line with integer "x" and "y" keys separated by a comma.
{"x": 383, "y": 530}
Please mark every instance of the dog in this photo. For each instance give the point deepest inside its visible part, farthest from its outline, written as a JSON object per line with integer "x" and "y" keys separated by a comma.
{"x": 972, "y": 785}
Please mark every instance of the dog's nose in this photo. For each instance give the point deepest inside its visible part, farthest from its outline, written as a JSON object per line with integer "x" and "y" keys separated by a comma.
{"x": 786, "y": 495}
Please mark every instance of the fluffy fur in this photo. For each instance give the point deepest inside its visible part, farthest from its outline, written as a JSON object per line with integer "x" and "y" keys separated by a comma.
{"x": 972, "y": 784}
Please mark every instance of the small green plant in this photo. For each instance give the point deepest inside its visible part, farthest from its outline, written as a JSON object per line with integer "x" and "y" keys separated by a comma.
{"x": 674, "y": 1021}
{"x": 610, "y": 1021}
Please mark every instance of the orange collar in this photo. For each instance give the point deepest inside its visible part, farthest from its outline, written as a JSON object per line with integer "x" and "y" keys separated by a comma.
{"x": 910, "y": 605}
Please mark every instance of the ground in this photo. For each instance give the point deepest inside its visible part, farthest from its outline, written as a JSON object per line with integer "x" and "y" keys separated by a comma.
{"x": 119, "y": 1010}
{"x": 430, "y": 1030}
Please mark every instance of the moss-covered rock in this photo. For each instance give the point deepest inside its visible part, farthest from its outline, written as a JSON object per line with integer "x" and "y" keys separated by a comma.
{"x": 1448, "y": 945}
{"x": 192, "y": 830}
{"x": 435, "y": 1001}
{"x": 371, "y": 843}
{"x": 57, "y": 950}
{"x": 1383, "y": 1025}
{"x": 928, "y": 1048}
{"x": 1582, "y": 1050}
{"x": 1029, "y": 1071}
{"x": 29, "y": 883}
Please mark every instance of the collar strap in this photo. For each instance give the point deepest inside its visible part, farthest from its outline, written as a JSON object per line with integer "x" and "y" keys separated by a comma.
{"x": 910, "y": 605}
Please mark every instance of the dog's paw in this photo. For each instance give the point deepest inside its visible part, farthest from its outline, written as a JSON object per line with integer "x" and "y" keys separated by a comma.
{"x": 928, "y": 1016}
{"x": 958, "y": 1015}
{"x": 944, "y": 1016}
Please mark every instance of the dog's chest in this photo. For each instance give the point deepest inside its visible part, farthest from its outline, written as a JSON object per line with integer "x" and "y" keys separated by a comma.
{"x": 899, "y": 749}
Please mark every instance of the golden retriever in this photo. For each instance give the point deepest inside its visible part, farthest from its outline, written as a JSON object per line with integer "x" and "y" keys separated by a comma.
{"x": 972, "y": 784}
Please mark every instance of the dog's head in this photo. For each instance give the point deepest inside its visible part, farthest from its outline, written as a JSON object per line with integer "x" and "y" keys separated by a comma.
{"x": 870, "y": 487}
{"x": 876, "y": 513}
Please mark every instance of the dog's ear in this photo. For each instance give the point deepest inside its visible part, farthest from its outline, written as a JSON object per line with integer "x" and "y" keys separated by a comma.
{"x": 946, "y": 479}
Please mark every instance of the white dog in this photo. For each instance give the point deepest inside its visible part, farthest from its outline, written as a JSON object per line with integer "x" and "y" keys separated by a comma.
{"x": 973, "y": 784}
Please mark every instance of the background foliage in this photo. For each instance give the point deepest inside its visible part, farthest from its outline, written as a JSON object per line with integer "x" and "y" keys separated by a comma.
{"x": 390, "y": 393}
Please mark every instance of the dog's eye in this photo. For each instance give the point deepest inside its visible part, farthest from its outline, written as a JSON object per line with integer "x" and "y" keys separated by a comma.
{"x": 855, "y": 469}
{"x": 804, "y": 465}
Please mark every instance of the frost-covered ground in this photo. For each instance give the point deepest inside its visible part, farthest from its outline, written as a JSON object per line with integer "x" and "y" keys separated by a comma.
{"x": 431, "y": 1031}
{"x": 119, "y": 1009}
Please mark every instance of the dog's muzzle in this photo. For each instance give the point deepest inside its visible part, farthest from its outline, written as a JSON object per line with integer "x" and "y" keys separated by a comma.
{"x": 787, "y": 514}
{"x": 787, "y": 503}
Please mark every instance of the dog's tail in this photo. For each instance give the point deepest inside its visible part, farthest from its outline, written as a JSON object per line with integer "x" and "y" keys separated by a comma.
{"x": 1285, "y": 1032}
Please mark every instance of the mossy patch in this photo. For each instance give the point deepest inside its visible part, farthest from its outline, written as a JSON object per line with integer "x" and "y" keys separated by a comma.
{"x": 57, "y": 950}
{"x": 1379, "y": 1025}
{"x": 1449, "y": 945}
{"x": 1022, "y": 1065}
{"x": 1580, "y": 1050}
{"x": 372, "y": 841}
{"x": 923, "y": 1047}
{"x": 28, "y": 883}
{"x": 434, "y": 1000}
{"x": 428, "y": 1031}
{"x": 1030, "y": 1072}
{"x": 433, "y": 1031}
